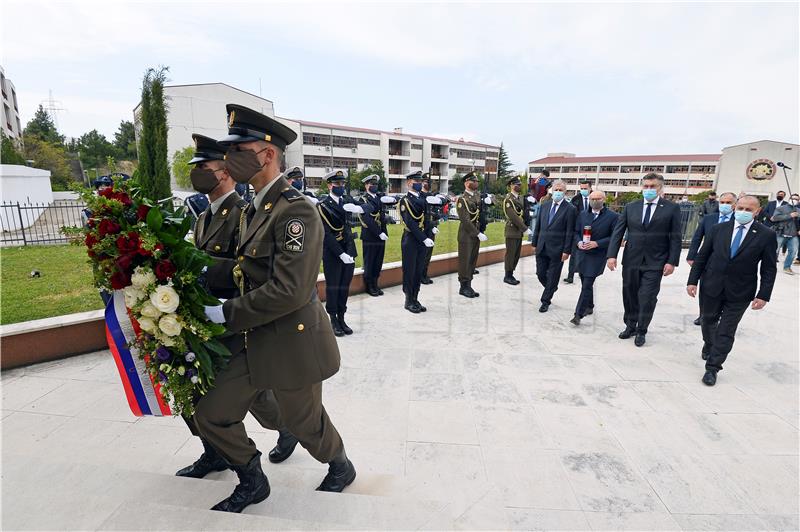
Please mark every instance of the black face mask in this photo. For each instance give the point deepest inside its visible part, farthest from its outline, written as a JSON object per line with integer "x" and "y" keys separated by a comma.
{"x": 204, "y": 180}
{"x": 517, "y": 188}
{"x": 243, "y": 165}
{"x": 780, "y": 198}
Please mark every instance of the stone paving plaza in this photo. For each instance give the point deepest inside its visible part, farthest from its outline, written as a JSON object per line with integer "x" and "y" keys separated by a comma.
{"x": 480, "y": 414}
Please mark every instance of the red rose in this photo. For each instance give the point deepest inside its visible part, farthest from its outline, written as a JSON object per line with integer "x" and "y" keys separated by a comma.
{"x": 91, "y": 222}
{"x": 128, "y": 243}
{"x": 124, "y": 262}
{"x": 122, "y": 198}
{"x": 106, "y": 192}
{"x": 164, "y": 270}
{"x": 120, "y": 280}
{"x": 108, "y": 227}
{"x": 141, "y": 212}
{"x": 90, "y": 240}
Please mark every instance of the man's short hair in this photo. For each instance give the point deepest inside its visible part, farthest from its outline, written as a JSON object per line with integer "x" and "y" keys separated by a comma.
{"x": 781, "y": 191}
{"x": 585, "y": 182}
{"x": 728, "y": 194}
{"x": 652, "y": 176}
{"x": 712, "y": 193}
{"x": 546, "y": 172}
{"x": 559, "y": 182}
{"x": 751, "y": 198}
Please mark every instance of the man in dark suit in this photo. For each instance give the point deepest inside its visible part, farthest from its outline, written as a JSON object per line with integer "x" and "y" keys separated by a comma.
{"x": 581, "y": 202}
{"x": 591, "y": 249}
{"x": 552, "y": 241}
{"x": 728, "y": 261}
{"x": 710, "y": 205}
{"x": 725, "y": 206}
{"x": 767, "y": 212}
{"x": 653, "y": 249}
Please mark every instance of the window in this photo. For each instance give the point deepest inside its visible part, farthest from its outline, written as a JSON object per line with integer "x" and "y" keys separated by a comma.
{"x": 315, "y": 139}
{"x": 344, "y": 142}
{"x": 704, "y": 169}
{"x": 536, "y": 169}
{"x": 677, "y": 169}
{"x": 344, "y": 162}
{"x": 659, "y": 169}
{"x": 588, "y": 168}
{"x": 416, "y": 164}
{"x": 569, "y": 169}
{"x": 416, "y": 146}
{"x": 14, "y": 98}
{"x": 317, "y": 161}
{"x": 630, "y": 169}
{"x": 370, "y": 142}
{"x": 608, "y": 169}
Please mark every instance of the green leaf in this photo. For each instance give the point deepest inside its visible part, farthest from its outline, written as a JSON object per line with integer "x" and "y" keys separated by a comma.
{"x": 154, "y": 219}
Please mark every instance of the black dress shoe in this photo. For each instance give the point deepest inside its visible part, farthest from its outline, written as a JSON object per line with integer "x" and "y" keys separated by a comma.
{"x": 475, "y": 272}
{"x": 569, "y": 280}
{"x": 337, "y": 327}
{"x": 253, "y": 487}
{"x": 576, "y": 320}
{"x": 412, "y": 305}
{"x": 373, "y": 291}
{"x": 420, "y": 306}
{"x": 380, "y": 292}
{"x": 339, "y": 477}
{"x": 509, "y": 279}
{"x": 710, "y": 378}
{"x": 627, "y": 333}
{"x": 698, "y": 321}
{"x": 345, "y": 328}
{"x": 588, "y": 312}
{"x": 466, "y": 290}
{"x": 426, "y": 280}
{"x": 639, "y": 340}
{"x": 544, "y": 307}
{"x": 284, "y": 448}
{"x": 209, "y": 461}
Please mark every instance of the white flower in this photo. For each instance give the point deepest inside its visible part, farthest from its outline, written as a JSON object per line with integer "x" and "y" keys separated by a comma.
{"x": 142, "y": 277}
{"x": 181, "y": 371}
{"x": 132, "y": 295}
{"x": 147, "y": 324}
{"x": 190, "y": 356}
{"x": 194, "y": 379}
{"x": 170, "y": 325}
{"x": 165, "y": 299}
{"x": 149, "y": 310}
{"x": 166, "y": 341}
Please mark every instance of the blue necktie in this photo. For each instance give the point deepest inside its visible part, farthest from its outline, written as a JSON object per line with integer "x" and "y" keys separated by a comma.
{"x": 737, "y": 241}
{"x": 723, "y": 219}
{"x": 552, "y": 214}
{"x": 647, "y": 214}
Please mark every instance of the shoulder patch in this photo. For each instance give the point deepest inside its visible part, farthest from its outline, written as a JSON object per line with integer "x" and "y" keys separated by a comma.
{"x": 291, "y": 194}
{"x": 295, "y": 235}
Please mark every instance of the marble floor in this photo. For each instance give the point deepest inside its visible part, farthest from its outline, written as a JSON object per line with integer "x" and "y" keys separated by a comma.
{"x": 479, "y": 414}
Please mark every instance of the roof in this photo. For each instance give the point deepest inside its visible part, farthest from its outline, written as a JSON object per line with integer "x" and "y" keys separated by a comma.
{"x": 379, "y": 131}
{"x": 683, "y": 158}
{"x": 759, "y": 142}
{"x": 207, "y": 84}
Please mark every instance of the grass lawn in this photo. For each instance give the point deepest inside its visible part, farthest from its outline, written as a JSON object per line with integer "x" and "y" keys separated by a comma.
{"x": 65, "y": 285}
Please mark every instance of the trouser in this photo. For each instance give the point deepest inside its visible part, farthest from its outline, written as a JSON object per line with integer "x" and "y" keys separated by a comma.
{"x": 337, "y": 283}
{"x": 264, "y": 408}
{"x": 468, "y": 249}
{"x": 586, "y": 298}
{"x": 427, "y": 259}
{"x": 639, "y": 296}
{"x": 413, "y": 253}
{"x": 220, "y": 413}
{"x": 548, "y": 270}
{"x": 572, "y": 264}
{"x": 720, "y": 318}
{"x": 513, "y": 249}
{"x": 791, "y": 249}
{"x": 373, "y": 261}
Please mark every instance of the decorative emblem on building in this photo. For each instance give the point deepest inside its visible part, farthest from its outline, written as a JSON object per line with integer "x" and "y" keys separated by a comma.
{"x": 761, "y": 170}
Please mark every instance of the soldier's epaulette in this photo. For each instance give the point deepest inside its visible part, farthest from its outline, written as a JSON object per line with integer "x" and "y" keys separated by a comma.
{"x": 291, "y": 194}
{"x": 241, "y": 203}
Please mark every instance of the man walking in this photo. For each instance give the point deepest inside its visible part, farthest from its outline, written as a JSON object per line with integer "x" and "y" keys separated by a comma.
{"x": 785, "y": 224}
{"x": 581, "y": 203}
{"x": 735, "y": 252}
{"x": 765, "y": 215}
{"x": 553, "y": 239}
{"x": 653, "y": 227}
{"x": 470, "y": 236}
{"x": 515, "y": 228}
{"x": 710, "y": 205}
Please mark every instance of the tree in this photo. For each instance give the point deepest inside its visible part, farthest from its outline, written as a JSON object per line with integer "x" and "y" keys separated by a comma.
{"x": 42, "y": 127}
{"x": 456, "y": 185}
{"x": 153, "y": 166}
{"x": 181, "y": 168}
{"x": 503, "y": 165}
{"x": 125, "y": 140}
{"x": 94, "y": 149}
{"x": 49, "y": 156}
{"x": 9, "y": 154}
{"x": 356, "y": 176}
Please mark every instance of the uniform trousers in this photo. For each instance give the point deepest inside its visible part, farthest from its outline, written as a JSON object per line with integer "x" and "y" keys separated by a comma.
{"x": 468, "y": 249}
{"x": 413, "y": 263}
{"x": 337, "y": 283}
{"x": 513, "y": 249}
{"x": 373, "y": 260}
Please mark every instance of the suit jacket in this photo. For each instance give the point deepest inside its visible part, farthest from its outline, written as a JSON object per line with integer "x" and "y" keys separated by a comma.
{"x": 412, "y": 212}
{"x": 290, "y": 342}
{"x": 709, "y": 207}
{"x": 577, "y": 202}
{"x": 782, "y": 222}
{"x": 338, "y": 232}
{"x": 515, "y": 223}
{"x": 768, "y": 211}
{"x": 558, "y": 236}
{"x": 737, "y": 277}
{"x": 217, "y": 234}
{"x": 651, "y": 247}
{"x": 592, "y": 262}
{"x": 373, "y": 221}
{"x": 703, "y": 229}
{"x": 469, "y": 213}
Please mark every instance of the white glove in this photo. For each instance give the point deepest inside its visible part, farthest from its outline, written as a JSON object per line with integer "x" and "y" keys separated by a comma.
{"x": 531, "y": 199}
{"x": 435, "y": 230}
{"x": 428, "y": 243}
{"x": 527, "y": 232}
{"x": 390, "y": 200}
{"x": 433, "y": 200}
{"x": 482, "y": 237}
{"x": 383, "y": 236}
{"x": 488, "y": 199}
{"x": 313, "y": 201}
{"x": 352, "y": 207}
{"x": 347, "y": 259}
{"x": 214, "y": 313}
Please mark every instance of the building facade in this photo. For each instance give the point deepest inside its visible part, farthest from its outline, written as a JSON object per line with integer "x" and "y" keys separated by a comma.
{"x": 754, "y": 168}
{"x": 10, "y": 120}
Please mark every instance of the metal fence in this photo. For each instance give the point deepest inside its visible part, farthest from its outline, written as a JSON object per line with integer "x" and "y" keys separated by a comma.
{"x": 39, "y": 223}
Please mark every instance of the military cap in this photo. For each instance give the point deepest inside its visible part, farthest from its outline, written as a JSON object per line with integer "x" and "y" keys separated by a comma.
{"x": 370, "y": 178}
{"x": 295, "y": 172}
{"x": 470, "y": 177}
{"x": 513, "y": 181}
{"x": 103, "y": 180}
{"x": 246, "y": 125}
{"x": 206, "y": 149}
{"x": 336, "y": 175}
{"x": 414, "y": 175}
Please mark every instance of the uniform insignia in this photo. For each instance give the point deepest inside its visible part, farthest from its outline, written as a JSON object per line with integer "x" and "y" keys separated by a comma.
{"x": 231, "y": 118}
{"x": 268, "y": 206}
{"x": 402, "y": 207}
{"x": 224, "y": 212}
{"x": 295, "y": 235}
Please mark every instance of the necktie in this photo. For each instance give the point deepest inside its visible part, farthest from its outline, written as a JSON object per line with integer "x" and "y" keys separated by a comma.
{"x": 585, "y": 204}
{"x": 723, "y": 219}
{"x": 552, "y": 213}
{"x": 737, "y": 241}
{"x": 647, "y": 214}
{"x": 207, "y": 222}
{"x": 251, "y": 211}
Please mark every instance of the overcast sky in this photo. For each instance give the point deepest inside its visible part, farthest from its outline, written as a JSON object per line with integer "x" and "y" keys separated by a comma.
{"x": 593, "y": 79}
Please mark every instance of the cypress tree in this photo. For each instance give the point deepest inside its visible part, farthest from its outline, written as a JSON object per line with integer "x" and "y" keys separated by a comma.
{"x": 153, "y": 168}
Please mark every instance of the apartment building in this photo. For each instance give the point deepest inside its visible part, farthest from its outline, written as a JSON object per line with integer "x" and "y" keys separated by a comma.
{"x": 10, "y": 120}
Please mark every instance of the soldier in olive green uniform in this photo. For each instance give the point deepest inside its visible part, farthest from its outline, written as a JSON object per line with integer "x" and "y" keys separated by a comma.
{"x": 216, "y": 232}
{"x": 289, "y": 344}
{"x": 470, "y": 236}
{"x": 515, "y": 228}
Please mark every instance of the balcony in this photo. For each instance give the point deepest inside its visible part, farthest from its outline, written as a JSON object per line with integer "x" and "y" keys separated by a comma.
{"x": 399, "y": 153}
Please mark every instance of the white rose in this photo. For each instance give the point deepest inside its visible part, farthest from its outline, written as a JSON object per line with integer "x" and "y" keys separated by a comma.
{"x": 149, "y": 310}
{"x": 167, "y": 341}
{"x": 147, "y": 325}
{"x": 170, "y": 325}
{"x": 181, "y": 371}
{"x": 165, "y": 299}
{"x": 142, "y": 277}
{"x": 132, "y": 295}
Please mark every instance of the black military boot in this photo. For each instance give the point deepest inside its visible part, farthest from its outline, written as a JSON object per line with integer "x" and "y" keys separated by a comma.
{"x": 284, "y": 448}
{"x": 372, "y": 289}
{"x": 341, "y": 474}
{"x": 416, "y": 300}
{"x": 426, "y": 280}
{"x": 509, "y": 279}
{"x": 466, "y": 290}
{"x": 337, "y": 327}
{"x": 377, "y": 289}
{"x": 253, "y": 487}
{"x": 209, "y": 461}
{"x": 412, "y": 305}
{"x": 345, "y": 328}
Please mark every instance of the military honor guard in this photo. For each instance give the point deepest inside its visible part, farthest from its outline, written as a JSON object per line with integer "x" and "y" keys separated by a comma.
{"x": 734, "y": 254}
{"x": 374, "y": 232}
{"x": 432, "y": 222}
{"x": 470, "y": 235}
{"x": 593, "y": 229}
{"x": 288, "y": 346}
{"x": 553, "y": 239}
{"x": 297, "y": 178}
{"x": 414, "y": 242}
{"x": 652, "y": 251}
{"x": 339, "y": 253}
{"x": 515, "y": 229}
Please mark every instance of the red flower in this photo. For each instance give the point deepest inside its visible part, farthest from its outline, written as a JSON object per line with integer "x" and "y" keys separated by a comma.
{"x": 91, "y": 222}
{"x": 122, "y": 198}
{"x": 128, "y": 243}
{"x": 106, "y": 193}
{"x": 141, "y": 212}
{"x": 124, "y": 262}
{"x": 108, "y": 227}
{"x": 164, "y": 270}
{"x": 90, "y": 240}
{"x": 120, "y": 280}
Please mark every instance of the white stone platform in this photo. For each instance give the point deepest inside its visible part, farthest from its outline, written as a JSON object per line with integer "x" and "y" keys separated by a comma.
{"x": 479, "y": 414}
